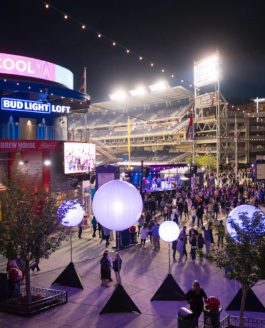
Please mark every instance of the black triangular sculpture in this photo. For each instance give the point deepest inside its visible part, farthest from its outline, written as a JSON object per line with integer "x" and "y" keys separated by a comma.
{"x": 169, "y": 291}
{"x": 69, "y": 277}
{"x": 253, "y": 304}
{"x": 120, "y": 301}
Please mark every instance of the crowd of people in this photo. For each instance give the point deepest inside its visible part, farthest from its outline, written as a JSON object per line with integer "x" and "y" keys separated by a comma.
{"x": 200, "y": 213}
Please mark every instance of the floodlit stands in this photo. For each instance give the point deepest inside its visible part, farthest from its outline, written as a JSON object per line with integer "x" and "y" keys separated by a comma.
{"x": 158, "y": 118}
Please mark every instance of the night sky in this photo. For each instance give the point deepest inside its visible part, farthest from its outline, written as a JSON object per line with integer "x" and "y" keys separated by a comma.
{"x": 170, "y": 33}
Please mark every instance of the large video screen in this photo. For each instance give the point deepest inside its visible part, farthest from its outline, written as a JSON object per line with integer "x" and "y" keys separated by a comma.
{"x": 79, "y": 157}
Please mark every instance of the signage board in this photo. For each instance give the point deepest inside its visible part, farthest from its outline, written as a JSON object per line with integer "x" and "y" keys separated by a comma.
{"x": 28, "y": 145}
{"x": 20, "y": 105}
{"x": 35, "y": 68}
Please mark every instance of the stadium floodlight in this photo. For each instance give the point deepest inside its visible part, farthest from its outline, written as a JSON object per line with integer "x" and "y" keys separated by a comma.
{"x": 119, "y": 95}
{"x": 139, "y": 91}
{"x": 161, "y": 85}
{"x": 207, "y": 71}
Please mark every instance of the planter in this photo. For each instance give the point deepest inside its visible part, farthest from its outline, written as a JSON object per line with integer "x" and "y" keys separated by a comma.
{"x": 42, "y": 299}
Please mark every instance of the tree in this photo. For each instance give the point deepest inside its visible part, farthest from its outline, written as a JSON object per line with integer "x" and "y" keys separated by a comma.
{"x": 29, "y": 224}
{"x": 206, "y": 161}
{"x": 244, "y": 253}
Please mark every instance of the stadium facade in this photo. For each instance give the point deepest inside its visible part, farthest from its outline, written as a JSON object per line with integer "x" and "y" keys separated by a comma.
{"x": 159, "y": 123}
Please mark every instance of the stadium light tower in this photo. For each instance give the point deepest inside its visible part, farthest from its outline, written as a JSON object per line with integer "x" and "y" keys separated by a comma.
{"x": 207, "y": 72}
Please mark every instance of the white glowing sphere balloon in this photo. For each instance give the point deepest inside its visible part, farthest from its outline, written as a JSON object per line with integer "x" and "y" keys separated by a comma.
{"x": 169, "y": 231}
{"x": 117, "y": 205}
{"x": 70, "y": 213}
{"x": 248, "y": 210}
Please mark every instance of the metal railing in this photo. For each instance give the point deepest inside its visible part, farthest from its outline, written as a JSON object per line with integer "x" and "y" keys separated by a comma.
{"x": 233, "y": 322}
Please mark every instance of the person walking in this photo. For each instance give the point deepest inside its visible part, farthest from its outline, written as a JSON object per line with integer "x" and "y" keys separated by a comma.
{"x": 174, "y": 249}
{"x": 183, "y": 235}
{"x": 156, "y": 237}
{"x": 144, "y": 234}
{"x": 196, "y": 297}
{"x": 220, "y": 234}
{"x": 80, "y": 229}
{"x": 94, "y": 226}
{"x": 105, "y": 235}
{"x": 193, "y": 245}
{"x": 140, "y": 223}
{"x": 180, "y": 248}
{"x": 105, "y": 266}
{"x": 199, "y": 213}
{"x": 200, "y": 243}
{"x": 117, "y": 268}
{"x": 207, "y": 240}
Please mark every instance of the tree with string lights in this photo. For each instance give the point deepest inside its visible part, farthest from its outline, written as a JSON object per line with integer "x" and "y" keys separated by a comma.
{"x": 244, "y": 252}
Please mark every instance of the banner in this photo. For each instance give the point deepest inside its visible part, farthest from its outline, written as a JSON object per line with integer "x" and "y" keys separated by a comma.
{"x": 190, "y": 132}
{"x": 36, "y": 68}
{"x": 207, "y": 100}
{"x": 28, "y": 145}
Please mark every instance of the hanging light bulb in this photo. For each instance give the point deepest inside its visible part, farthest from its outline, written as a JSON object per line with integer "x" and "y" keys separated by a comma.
{"x": 47, "y": 5}
{"x": 99, "y": 35}
{"x": 140, "y": 58}
{"x": 162, "y": 70}
{"x": 152, "y": 64}
{"x": 83, "y": 26}
{"x": 114, "y": 44}
{"x": 128, "y": 51}
{"x": 65, "y": 16}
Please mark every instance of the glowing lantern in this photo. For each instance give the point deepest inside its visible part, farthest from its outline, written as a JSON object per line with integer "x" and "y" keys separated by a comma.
{"x": 117, "y": 205}
{"x": 248, "y": 210}
{"x": 169, "y": 231}
{"x": 70, "y": 213}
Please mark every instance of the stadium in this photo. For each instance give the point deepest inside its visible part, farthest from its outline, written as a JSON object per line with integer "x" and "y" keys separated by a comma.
{"x": 152, "y": 123}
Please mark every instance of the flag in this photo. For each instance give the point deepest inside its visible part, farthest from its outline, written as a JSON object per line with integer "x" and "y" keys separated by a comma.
{"x": 83, "y": 82}
{"x": 190, "y": 130}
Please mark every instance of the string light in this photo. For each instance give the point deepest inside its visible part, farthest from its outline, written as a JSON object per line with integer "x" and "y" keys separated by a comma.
{"x": 114, "y": 43}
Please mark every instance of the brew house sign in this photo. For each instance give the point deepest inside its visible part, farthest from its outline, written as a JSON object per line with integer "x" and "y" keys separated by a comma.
{"x": 20, "y": 105}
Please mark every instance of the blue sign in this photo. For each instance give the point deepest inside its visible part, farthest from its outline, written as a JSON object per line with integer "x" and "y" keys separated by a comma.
{"x": 20, "y": 105}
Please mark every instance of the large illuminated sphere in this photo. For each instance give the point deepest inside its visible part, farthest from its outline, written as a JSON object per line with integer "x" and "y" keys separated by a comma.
{"x": 249, "y": 210}
{"x": 169, "y": 231}
{"x": 117, "y": 205}
{"x": 70, "y": 213}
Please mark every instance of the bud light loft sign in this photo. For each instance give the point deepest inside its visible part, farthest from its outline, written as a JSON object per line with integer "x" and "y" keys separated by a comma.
{"x": 40, "y": 69}
{"x": 20, "y": 105}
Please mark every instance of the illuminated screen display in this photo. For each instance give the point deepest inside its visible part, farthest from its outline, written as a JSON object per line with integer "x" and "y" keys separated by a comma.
{"x": 79, "y": 157}
{"x": 35, "y": 68}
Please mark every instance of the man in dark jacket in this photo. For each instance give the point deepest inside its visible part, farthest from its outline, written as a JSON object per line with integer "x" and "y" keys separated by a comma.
{"x": 195, "y": 296}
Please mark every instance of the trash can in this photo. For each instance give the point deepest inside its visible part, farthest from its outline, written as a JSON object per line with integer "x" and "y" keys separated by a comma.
{"x": 212, "y": 318}
{"x": 186, "y": 318}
